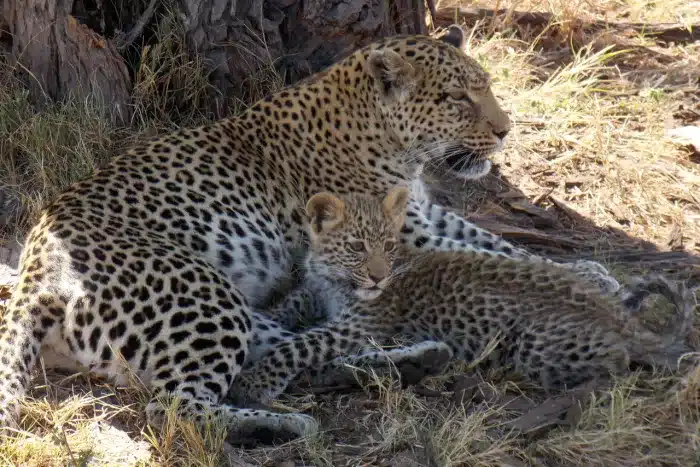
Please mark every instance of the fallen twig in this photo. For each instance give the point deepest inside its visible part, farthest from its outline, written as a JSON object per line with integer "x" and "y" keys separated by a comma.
{"x": 124, "y": 40}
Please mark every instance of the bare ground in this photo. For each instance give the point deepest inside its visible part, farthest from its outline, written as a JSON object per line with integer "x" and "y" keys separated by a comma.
{"x": 590, "y": 170}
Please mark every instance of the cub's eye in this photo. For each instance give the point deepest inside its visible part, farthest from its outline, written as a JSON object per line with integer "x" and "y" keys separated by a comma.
{"x": 358, "y": 246}
{"x": 389, "y": 245}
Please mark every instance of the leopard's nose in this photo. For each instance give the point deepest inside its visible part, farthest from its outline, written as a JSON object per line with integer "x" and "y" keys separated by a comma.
{"x": 501, "y": 134}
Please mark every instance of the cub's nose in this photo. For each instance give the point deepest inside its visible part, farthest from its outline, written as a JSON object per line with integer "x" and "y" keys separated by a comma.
{"x": 376, "y": 279}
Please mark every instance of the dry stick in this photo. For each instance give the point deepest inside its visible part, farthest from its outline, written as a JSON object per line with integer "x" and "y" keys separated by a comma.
{"x": 123, "y": 41}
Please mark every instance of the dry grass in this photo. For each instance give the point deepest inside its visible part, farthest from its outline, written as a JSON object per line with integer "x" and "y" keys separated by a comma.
{"x": 683, "y": 12}
{"x": 590, "y": 134}
{"x": 598, "y": 141}
{"x": 42, "y": 152}
{"x": 73, "y": 420}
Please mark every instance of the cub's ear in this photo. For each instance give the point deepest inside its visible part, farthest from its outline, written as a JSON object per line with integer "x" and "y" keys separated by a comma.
{"x": 325, "y": 212}
{"x": 393, "y": 75}
{"x": 455, "y": 36}
{"x": 395, "y": 205}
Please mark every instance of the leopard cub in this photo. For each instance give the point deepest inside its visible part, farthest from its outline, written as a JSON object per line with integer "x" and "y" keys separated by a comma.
{"x": 352, "y": 259}
{"x": 549, "y": 325}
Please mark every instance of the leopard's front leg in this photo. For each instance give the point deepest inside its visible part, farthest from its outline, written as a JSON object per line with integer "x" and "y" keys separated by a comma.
{"x": 430, "y": 227}
{"x": 433, "y": 228}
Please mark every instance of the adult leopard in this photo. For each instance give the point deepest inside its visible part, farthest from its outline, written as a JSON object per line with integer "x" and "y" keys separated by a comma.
{"x": 158, "y": 259}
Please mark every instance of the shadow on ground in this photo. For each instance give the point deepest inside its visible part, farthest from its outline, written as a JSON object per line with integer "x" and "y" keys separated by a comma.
{"x": 558, "y": 231}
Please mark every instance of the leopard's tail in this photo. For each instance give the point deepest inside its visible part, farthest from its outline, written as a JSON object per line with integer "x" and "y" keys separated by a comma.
{"x": 649, "y": 347}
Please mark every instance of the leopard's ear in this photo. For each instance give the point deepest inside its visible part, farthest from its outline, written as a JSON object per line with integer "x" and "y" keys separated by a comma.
{"x": 395, "y": 205}
{"x": 455, "y": 36}
{"x": 394, "y": 77}
{"x": 325, "y": 212}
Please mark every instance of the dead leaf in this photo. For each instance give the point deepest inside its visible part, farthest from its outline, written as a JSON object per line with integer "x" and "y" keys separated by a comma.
{"x": 464, "y": 389}
{"x": 563, "y": 410}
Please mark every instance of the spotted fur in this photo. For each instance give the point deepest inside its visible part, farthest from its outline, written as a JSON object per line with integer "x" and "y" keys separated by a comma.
{"x": 546, "y": 322}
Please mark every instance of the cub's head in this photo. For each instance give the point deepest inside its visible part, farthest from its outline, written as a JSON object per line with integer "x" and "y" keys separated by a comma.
{"x": 437, "y": 100}
{"x": 354, "y": 238}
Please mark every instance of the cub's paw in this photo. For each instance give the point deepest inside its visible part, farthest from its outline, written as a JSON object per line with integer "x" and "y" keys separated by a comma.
{"x": 595, "y": 273}
{"x": 592, "y": 266}
{"x": 411, "y": 364}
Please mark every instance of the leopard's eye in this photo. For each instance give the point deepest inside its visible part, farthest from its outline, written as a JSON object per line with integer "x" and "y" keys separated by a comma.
{"x": 461, "y": 96}
{"x": 389, "y": 245}
{"x": 358, "y": 246}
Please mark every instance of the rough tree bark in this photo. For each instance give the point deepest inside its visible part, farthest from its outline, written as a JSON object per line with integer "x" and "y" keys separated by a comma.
{"x": 300, "y": 37}
{"x": 59, "y": 57}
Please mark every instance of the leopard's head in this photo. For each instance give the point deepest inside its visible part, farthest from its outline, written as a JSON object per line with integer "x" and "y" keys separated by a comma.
{"x": 437, "y": 101}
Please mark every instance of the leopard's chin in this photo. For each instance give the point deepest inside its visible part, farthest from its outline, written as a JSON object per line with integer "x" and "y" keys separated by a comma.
{"x": 469, "y": 164}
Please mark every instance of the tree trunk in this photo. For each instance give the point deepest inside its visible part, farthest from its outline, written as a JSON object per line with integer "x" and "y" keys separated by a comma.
{"x": 59, "y": 57}
{"x": 297, "y": 37}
